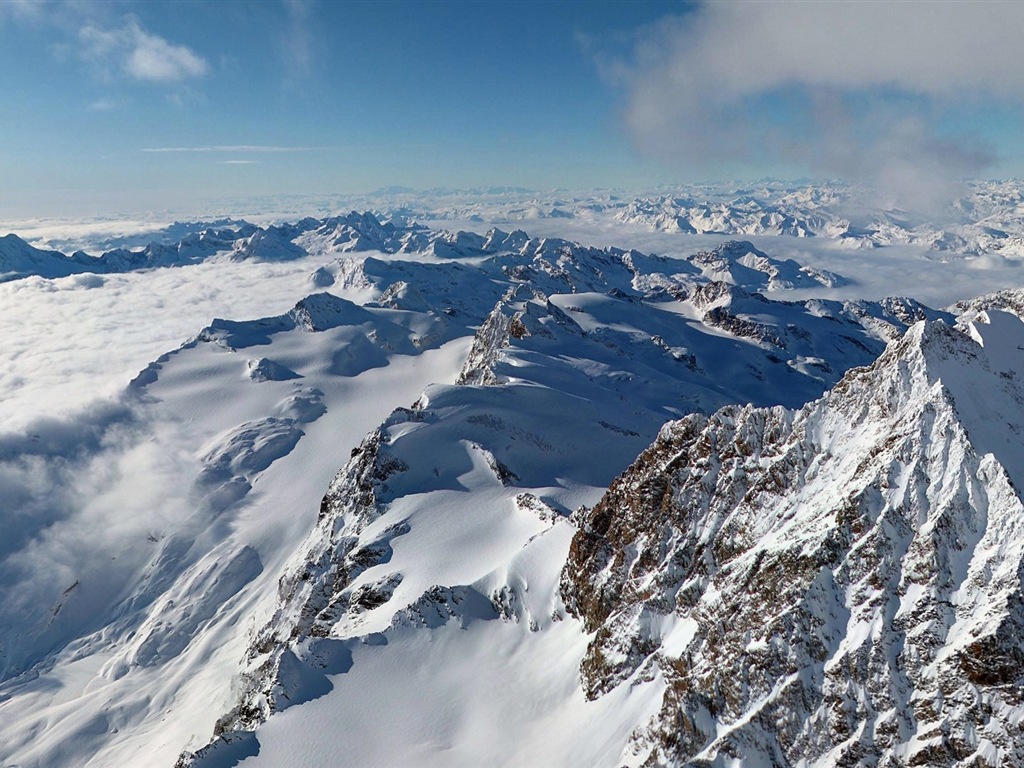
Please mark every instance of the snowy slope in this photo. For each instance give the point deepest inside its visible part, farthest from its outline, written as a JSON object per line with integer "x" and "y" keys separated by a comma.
{"x": 452, "y": 515}
{"x": 142, "y": 615}
{"x": 175, "y": 583}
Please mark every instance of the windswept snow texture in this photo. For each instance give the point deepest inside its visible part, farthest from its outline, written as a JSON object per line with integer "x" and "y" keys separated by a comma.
{"x": 187, "y": 575}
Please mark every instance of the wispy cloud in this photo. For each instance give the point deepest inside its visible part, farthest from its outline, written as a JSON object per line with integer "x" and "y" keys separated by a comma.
{"x": 102, "y": 105}
{"x": 33, "y": 11}
{"x": 854, "y": 89}
{"x": 116, "y": 46}
{"x": 234, "y": 148}
{"x": 140, "y": 55}
{"x": 298, "y": 36}
{"x": 237, "y": 162}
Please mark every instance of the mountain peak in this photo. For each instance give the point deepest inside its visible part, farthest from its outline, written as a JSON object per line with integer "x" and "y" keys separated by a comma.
{"x": 852, "y": 565}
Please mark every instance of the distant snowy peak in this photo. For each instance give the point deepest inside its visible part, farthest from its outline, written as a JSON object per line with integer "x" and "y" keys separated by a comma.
{"x": 551, "y": 265}
{"x": 19, "y": 259}
{"x": 355, "y": 232}
{"x": 450, "y": 245}
{"x": 238, "y": 242}
{"x": 691, "y": 217}
{"x": 272, "y": 244}
{"x": 988, "y": 217}
{"x": 358, "y": 232}
{"x": 837, "y": 585}
{"x": 555, "y": 265}
{"x": 739, "y": 262}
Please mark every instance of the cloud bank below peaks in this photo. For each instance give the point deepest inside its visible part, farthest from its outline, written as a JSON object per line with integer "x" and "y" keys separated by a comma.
{"x": 861, "y": 90}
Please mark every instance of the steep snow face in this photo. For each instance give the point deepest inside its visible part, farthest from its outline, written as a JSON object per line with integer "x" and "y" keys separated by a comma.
{"x": 127, "y": 584}
{"x": 834, "y": 586}
{"x": 443, "y": 537}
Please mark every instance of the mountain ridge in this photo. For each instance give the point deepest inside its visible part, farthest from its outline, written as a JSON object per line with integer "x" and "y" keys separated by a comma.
{"x": 841, "y": 642}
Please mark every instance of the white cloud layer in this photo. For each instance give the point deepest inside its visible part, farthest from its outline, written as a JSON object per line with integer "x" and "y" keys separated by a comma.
{"x": 139, "y": 54}
{"x": 111, "y": 326}
{"x": 868, "y": 80}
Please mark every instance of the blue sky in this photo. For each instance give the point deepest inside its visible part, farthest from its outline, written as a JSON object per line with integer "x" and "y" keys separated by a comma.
{"x": 120, "y": 106}
{"x": 333, "y": 97}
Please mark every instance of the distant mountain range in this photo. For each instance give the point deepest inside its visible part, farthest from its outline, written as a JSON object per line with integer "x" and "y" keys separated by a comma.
{"x": 986, "y": 217}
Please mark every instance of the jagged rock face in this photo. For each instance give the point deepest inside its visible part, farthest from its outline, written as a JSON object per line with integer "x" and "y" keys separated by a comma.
{"x": 503, "y": 324}
{"x": 839, "y": 585}
{"x": 1011, "y": 301}
{"x": 314, "y": 596}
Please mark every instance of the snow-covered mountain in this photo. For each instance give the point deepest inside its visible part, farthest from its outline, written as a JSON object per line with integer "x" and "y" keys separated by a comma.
{"x": 396, "y": 503}
{"x": 981, "y": 218}
{"x": 833, "y": 586}
{"x": 556, "y": 392}
{"x": 18, "y": 259}
{"x": 987, "y": 217}
{"x": 739, "y": 263}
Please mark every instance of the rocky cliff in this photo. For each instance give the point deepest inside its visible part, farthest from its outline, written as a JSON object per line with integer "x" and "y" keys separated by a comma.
{"x": 838, "y": 585}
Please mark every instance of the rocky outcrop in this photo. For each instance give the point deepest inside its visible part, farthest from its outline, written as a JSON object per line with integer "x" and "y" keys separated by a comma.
{"x": 315, "y": 594}
{"x": 503, "y": 324}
